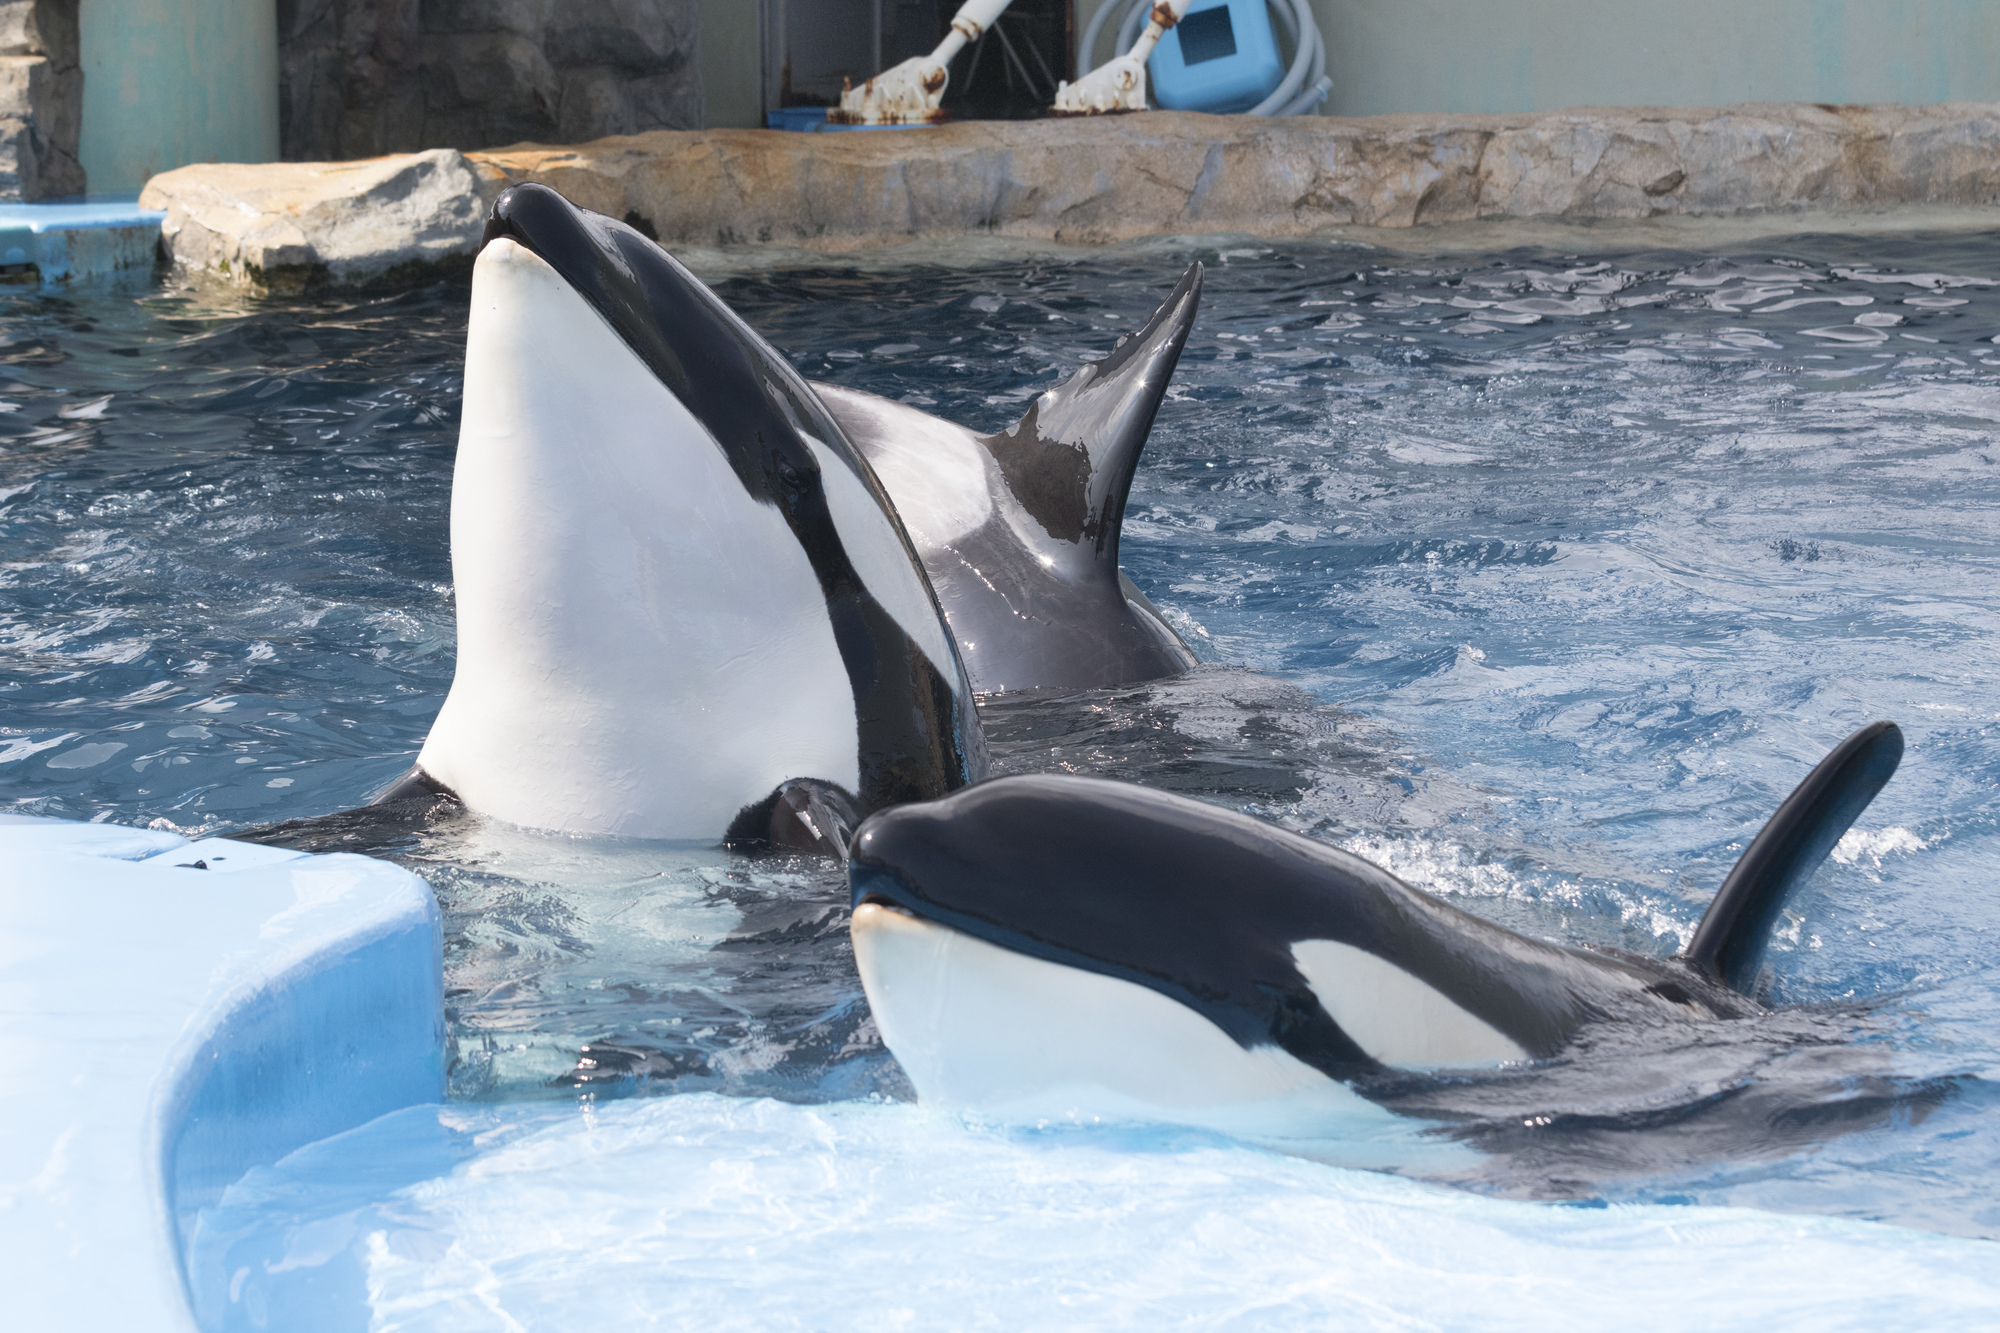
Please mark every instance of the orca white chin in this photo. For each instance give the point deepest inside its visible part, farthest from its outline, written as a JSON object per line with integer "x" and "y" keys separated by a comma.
{"x": 643, "y": 648}
{"x": 978, "y": 1026}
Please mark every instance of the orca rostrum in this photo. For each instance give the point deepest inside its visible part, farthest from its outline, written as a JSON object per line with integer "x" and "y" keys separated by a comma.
{"x": 1052, "y": 936}
{"x": 686, "y": 608}
{"x": 1019, "y": 530}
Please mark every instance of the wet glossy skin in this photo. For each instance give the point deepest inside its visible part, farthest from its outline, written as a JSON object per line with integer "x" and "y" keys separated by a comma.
{"x": 918, "y": 736}
{"x": 1019, "y": 530}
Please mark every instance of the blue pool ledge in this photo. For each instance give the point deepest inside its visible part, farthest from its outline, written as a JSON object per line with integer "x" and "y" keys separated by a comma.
{"x": 57, "y": 243}
{"x": 165, "y": 1027}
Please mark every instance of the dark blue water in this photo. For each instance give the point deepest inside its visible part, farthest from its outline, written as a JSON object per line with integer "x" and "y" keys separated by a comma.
{"x": 1540, "y": 578}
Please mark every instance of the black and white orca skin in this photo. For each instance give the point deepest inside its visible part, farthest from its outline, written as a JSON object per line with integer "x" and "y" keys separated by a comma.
{"x": 1019, "y": 531}
{"x": 1058, "y": 936}
{"x": 679, "y": 588}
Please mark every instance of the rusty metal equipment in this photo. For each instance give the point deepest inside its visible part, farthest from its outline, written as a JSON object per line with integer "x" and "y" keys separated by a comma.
{"x": 1120, "y": 83}
{"x": 912, "y": 92}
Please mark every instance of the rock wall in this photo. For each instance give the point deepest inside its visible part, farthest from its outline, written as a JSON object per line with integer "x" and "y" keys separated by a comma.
{"x": 41, "y": 100}
{"x": 1091, "y": 181}
{"x": 364, "y": 77}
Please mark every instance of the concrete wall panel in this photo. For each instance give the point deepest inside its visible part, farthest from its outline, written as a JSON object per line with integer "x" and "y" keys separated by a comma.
{"x": 1508, "y": 56}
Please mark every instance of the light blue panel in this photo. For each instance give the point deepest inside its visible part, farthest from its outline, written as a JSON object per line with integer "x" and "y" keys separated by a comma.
{"x": 166, "y": 1027}
{"x": 1221, "y": 57}
{"x": 1506, "y": 56}
{"x": 170, "y": 82}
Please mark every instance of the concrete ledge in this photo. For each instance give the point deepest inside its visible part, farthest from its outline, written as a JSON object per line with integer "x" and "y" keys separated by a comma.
{"x": 164, "y": 1028}
{"x": 1088, "y": 181}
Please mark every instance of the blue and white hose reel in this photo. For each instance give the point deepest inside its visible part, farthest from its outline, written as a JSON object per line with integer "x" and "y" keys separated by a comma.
{"x": 1223, "y": 55}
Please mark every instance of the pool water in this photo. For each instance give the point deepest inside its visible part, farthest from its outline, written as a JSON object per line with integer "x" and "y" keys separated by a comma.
{"x": 1539, "y": 578}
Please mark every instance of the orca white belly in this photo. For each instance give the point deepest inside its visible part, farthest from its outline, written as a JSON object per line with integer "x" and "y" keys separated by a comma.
{"x": 643, "y": 648}
{"x": 979, "y": 1027}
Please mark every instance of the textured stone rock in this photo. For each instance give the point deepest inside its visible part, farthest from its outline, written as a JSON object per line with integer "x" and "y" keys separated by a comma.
{"x": 41, "y": 100}
{"x": 362, "y": 77}
{"x": 1094, "y": 181}
{"x": 348, "y": 78}
{"x": 292, "y": 227}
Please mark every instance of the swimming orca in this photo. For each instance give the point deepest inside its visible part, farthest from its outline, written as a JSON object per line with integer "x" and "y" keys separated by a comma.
{"x": 1019, "y": 531}
{"x": 686, "y": 608}
{"x": 1053, "y": 936}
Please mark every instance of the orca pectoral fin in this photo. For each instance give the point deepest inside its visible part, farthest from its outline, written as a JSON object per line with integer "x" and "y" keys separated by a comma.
{"x": 402, "y": 811}
{"x": 415, "y": 785}
{"x": 1729, "y": 944}
{"x": 802, "y": 815}
{"x": 1069, "y": 462}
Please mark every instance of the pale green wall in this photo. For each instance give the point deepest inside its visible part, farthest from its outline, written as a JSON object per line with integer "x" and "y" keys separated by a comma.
{"x": 1538, "y": 55}
{"x": 732, "y": 80}
{"x": 169, "y": 82}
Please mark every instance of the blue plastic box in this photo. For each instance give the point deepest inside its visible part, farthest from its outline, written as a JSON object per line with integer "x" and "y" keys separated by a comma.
{"x": 796, "y": 118}
{"x": 813, "y": 120}
{"x": 1221, "y": 56}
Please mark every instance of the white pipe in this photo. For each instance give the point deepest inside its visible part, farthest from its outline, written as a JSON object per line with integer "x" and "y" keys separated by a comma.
{"x": 974, "y": 17}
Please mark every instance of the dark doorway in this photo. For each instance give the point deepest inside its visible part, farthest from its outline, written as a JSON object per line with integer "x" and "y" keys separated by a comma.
{"x": 1011, "y": 72}
{"x": 1008, "y": 74}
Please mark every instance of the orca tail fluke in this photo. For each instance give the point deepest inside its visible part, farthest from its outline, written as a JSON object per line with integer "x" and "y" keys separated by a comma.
{"x": 1070, "y": 460}
{"x": 1729, "y": 943}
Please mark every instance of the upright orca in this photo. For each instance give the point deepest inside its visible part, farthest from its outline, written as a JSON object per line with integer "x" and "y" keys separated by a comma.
{"x": 1019, "y": 531}
{"x": 689, "y": 606}
{"x": 1049, "y": 936}
{"x": 686, "y": 609}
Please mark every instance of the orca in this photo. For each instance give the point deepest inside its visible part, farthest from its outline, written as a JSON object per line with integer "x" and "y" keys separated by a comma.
{"x": 686, "y": 608}
{"x": 1108, "y": 945}
{"x": 1019, "y": 531}
{"x": 689, "y": 603}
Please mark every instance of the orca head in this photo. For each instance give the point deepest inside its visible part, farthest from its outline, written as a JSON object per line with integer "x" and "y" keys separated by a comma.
{"x": 678, "y": 585}
{"x": 1191, "y": 952}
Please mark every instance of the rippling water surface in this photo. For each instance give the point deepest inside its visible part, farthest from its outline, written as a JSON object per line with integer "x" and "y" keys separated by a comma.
{"x": 1538, "y": 578}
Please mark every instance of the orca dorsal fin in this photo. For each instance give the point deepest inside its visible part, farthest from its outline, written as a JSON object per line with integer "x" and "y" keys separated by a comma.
{"x": 1069, "y": 462}
{"x": 1729, "y": 943}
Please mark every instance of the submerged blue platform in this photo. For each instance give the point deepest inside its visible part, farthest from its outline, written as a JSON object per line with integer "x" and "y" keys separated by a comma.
{"x": 173, "y": 1014}
{"x": 58, "y": 243}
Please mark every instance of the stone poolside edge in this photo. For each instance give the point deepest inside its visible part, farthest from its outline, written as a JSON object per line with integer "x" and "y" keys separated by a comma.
{"x": 288, "y": 227}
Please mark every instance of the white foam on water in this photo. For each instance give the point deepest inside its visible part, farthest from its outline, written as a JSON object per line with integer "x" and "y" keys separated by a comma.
{"x": 703, "y": 1211}
{"x": 1875, "y": 844}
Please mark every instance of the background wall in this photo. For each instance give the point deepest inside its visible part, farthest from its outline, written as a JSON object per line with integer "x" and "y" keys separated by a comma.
{"x": 169, "y": 82}
{"x": 41, "y": 100}
{"x": 366, "y": 77}
{"x": 1541, "y": 55}
{"x": 732, "y": 86}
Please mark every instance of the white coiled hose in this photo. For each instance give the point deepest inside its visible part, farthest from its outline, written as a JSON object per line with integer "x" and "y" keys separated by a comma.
{"x": 1305, "y": 84}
